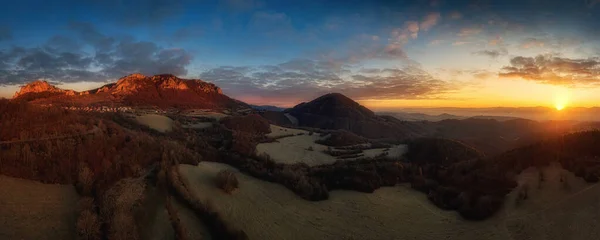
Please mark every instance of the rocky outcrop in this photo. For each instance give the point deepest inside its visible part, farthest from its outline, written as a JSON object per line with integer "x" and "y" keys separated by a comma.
{"x": 164, "y": 90}
{"x": 37, "y": 87}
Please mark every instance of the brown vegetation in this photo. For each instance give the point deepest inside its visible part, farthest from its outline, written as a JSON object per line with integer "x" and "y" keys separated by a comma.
{"x": 118, "y": 208}
{"x": 342, "y": 138}
{"x": 181, "y": 232}
{"x": 227, "y": 181}
{"x": 88, "y": 222}
{"x": 252, "y": 124}
{"x": 204, "y": 210}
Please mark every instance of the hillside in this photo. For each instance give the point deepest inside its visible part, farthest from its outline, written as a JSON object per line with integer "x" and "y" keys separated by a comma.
{"x": 336, "y": 111}
{"x": 135, "y": 90}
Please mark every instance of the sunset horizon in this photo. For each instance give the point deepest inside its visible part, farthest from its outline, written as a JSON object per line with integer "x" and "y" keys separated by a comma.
{"x": 434, "y": 53}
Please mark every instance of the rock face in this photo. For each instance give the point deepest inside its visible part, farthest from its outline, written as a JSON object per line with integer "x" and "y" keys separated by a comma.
{"x": 169, "y": 91}
{"x": 38, "y": 87}
{"x": 336, "y": 111}
{"x": 138, "y": 90}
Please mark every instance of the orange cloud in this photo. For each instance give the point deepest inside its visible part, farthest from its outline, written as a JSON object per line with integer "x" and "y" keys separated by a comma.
{"x": 430, "y": 20}
{"x": 466, "y": 32}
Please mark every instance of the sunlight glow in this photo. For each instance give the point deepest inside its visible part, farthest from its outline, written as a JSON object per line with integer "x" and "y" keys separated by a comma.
{"x": 561, "y": 99}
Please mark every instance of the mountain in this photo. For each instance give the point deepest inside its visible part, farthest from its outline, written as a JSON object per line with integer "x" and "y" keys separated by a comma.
{"x": 336, "y": 111}
{"x": 413, "y": 116}
{"x": 136, "y": 90}
{"x": 41, "y": 89}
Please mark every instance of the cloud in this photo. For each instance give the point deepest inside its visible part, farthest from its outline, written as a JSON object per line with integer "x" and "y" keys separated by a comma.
{"x": 469, "y": 31}
{"x": 532, "y": 43}
{"x": 498, "y": 40}
{"x": 5, "y": 33}
{"x": 551, "y": 69}
{"x": 591, "y": 3}
{"x": 63, "y": 59}
{"x": 460, "y": 43}
{"x": 430, "y": 20}
{"x": 456, "y": 15}
{"x": 400, "y": 36}
{"x": 492, "y": 53}
{"x": 436, "y": 42}
{"x": 90, "y": 35}
{"x": 299, "y": 79}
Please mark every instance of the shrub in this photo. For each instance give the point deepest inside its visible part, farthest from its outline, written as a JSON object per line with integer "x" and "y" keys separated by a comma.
{"x": 88, "y": 225}
{"x": 523, "y": 194}
{"x": 85, "y": 180}
{"x": 88, "y": 222}
{"x": 342, "y": 138}
{"x": 253, "y": 123}
{"x": 118, "y": 207}
{"x": 227, "y": 181}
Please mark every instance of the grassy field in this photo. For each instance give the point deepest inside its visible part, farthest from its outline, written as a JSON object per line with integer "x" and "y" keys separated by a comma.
{"x": 207, "y": 114}
{"x": 32, "y": 210}
{"x": 296, "y": 148}
{"x": 157, "y": 122}
{"x": 269, "y": 211}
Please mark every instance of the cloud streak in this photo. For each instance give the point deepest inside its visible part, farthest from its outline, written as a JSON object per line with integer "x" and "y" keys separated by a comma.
{"x": 300, "y": 79}
{"x": 549, "y": 69}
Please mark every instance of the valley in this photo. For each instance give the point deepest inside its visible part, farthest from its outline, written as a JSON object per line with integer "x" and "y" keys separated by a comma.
{"x": 329, "y": 168}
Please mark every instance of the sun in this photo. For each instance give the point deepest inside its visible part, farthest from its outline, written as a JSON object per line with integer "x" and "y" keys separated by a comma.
{"x": 560, "y": 103}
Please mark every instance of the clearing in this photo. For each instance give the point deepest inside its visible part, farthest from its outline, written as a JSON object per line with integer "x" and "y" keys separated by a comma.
{"x": 204, "y": 113}
{"x": 33, "y": 210}
{"x": 157, "y": 122}
{"x": 293, "y": 148}
{"x": 270, "y": 211}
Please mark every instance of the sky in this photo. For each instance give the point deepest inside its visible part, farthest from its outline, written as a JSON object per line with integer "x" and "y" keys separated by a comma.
{"x": 385, "y": 54}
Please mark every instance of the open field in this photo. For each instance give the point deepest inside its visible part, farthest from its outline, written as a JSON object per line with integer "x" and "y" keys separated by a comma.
{"x": 157, "y": 122}
{"x": 194, "y": 226}
{"x": 32, "y": 210}
{"x": 295, "y": 149}
{"x": 204, "y": 113}
{"x": 270, "y": 211}
{"x": 277, "y": 131}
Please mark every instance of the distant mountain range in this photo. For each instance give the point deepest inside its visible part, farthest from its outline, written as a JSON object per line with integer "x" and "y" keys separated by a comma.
{"x": 267, "y": 108}
{"x": 499, "y": 113}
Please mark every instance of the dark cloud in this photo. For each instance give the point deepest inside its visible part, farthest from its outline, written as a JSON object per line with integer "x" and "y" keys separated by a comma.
{"x": 89, "y": 34}
{"x": 299, "y": 79}
{"x": 58, "y": 43}
{"x": 492, "y": 53}
{"x": 555, "y": 70}
{"x": 145, "y": 57}
{"x": 62, "y": 59}
{"x": 5, "y": 33}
